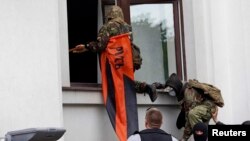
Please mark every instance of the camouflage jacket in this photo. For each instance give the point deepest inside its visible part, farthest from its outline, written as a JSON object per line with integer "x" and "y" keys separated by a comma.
{"x": 201, "y": 106}
{"x": 111, "y": 28}
{"x": 114, "y": 26}
{"x": 191, "y": 98}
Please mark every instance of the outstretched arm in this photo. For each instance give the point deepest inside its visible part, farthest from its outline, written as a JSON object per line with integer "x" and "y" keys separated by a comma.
{"x": 79, "y": 49}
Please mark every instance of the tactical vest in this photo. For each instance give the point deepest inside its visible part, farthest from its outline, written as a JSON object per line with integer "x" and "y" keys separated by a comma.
{"x": 209, "y": 91}
{"x": 154, "y": 135}
{"x": 137, "y": 59}
{"x": 136, "y": 53}
{"x": 194, "y": 96}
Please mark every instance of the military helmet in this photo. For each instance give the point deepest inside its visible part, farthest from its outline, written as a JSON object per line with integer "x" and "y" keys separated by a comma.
{"x": 115, "y": 12}
{"x": 174, "y": 82}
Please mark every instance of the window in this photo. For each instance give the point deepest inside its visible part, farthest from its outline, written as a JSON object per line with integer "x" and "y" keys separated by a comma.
{"x": 82, "y": 28}
{"x": 156, "y": 30}
{"x": 153, "y": 30}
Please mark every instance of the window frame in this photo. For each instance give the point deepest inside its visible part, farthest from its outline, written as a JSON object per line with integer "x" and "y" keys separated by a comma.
{"x": 179, "y": 32}
{"x": 178, "y": 27}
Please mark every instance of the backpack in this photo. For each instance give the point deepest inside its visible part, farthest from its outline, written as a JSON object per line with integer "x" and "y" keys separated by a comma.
{"x": 136, "y": 53}
{"x": 209, "y": 91}
{"x": 137, "y": 60}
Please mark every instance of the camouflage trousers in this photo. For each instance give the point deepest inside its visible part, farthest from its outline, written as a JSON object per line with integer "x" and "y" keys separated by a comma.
{"x": 140, "y": 86}
{"x": 199, "y": 113}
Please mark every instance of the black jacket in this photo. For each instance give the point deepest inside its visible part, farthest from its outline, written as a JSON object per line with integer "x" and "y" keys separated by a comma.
{"x": 154, "y": 135}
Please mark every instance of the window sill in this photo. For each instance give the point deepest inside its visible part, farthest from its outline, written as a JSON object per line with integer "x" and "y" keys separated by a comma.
{"x": 91, "y": 94}
{"x": 83, "y": 87}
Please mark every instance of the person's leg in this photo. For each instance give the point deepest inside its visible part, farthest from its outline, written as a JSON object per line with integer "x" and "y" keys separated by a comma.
{"x": 142, "y": 87}
{"x": 201, "y": 113}
{"x": 187, "y": 129}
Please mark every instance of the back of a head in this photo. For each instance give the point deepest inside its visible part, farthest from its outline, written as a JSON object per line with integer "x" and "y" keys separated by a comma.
{"x": 247, "y": 122}
{"x": 200, "y": 131}
{"x": 115, "y": 12}
{"x": 153, "y": 118}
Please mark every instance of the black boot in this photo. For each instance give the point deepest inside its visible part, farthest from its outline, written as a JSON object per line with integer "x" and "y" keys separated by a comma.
{"x": 151, "y": 90}
{"x": 142, "y": 87}
{"x": 175, "y": 83}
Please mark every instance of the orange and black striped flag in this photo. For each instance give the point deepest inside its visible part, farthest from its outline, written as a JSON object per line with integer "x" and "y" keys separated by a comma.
{"x": 118, "y": 86}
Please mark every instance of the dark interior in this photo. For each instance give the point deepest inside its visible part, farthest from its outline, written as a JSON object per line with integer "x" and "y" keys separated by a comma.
{"x": 82, "y": 28}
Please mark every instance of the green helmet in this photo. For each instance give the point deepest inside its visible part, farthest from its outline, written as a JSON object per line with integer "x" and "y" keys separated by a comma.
{"x": 114, "y": 13}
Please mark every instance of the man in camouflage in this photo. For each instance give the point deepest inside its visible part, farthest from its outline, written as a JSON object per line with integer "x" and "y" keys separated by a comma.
{"x": 196, "y": 106}
{"x": 115, "y": 25}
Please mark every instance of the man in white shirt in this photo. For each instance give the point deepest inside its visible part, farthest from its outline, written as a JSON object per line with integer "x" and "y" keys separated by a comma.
{"x": 153, "y": 122}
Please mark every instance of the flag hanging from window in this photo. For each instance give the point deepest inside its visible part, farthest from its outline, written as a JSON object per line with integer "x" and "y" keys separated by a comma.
{"x": 118, "y": 86}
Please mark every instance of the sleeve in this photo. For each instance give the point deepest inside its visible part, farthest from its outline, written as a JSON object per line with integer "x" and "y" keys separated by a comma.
{"x": 102, "y": 40}
{"x": 187, "y": 131}
{"x": 135, "y": 137}
{"x": 174, "y": 139}
{"x": 220, "y": 123}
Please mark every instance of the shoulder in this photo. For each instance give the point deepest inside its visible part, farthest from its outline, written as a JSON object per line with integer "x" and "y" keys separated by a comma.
{"x": 174, "y": 138}
{"x": 103, "y": 29}
{"x": 116, "y": 24}
{"x": 135, "y": 137}
{"x": 111, "y": 24}
{"x": 220, "y": 123}
{"x": 153, "y": 130}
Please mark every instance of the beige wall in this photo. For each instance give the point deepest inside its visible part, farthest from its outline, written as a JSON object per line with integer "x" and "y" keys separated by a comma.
{"x": 30, "y": 79}
{"x": 217, "y": 50}
{"x": 34, "y": 33}
{"x": 85, "y": 116}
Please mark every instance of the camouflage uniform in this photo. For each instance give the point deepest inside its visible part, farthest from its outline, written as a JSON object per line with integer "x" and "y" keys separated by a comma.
{"x": 116, "y": 25}
{"x": 197, "y": 108}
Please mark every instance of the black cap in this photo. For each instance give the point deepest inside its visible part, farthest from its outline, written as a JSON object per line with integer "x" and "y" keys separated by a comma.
{"x": 247, "y": 122}
{"x": 200, "y": 131}
{"x": 174, "y": 82}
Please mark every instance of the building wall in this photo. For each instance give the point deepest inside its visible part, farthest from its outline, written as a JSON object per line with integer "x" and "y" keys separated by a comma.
{"x": 33, "y": 43}
{"x": 217, "y": 48}
{"x": 30, "y": 79}
{"x": 85, "y": 116}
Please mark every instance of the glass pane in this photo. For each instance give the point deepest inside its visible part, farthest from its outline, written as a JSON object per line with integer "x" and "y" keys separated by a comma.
{"x": 153, "y": 32}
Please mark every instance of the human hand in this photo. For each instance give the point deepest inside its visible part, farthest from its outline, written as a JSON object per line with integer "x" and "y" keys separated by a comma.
{"x": 79, "y": 49}
{"x": 182, "y": 139}
{"x": 215, "y": 114}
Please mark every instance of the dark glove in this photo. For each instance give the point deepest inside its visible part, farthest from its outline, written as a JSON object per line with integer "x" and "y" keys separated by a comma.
{"x": 158, "y": 85}
{"x": 181, "y": 120}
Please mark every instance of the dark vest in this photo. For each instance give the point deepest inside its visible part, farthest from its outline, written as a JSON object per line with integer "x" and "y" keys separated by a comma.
{"x": 154, "y": 135}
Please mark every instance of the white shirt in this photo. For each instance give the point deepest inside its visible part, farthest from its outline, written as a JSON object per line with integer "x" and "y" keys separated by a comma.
{"x": 137, "y": 137}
